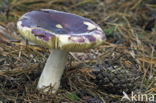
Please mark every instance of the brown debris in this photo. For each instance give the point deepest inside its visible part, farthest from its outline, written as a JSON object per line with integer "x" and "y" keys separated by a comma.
{"x": 129, "y": 53}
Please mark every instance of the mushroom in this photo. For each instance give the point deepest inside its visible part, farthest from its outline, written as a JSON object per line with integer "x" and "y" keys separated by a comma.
{"x": 61, "y": 32}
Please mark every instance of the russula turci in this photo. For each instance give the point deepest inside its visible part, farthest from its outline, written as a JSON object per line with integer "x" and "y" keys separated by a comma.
{"x": 61, "y": 32}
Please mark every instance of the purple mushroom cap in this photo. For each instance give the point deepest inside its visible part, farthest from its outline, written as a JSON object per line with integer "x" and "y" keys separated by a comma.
{"x": 47, "y": 23}
{"x": 72, "y": 24}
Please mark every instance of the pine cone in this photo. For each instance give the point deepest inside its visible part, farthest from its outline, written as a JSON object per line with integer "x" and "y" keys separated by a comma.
{"x": 116, "y": 75}
{"x": 116, "y": 80}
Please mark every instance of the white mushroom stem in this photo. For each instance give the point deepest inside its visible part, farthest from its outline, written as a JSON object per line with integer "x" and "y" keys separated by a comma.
{"x": 53, "y": 70}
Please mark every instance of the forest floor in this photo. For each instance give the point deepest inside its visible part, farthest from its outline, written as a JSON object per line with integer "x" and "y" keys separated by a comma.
{"x": 125, "y": 63}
